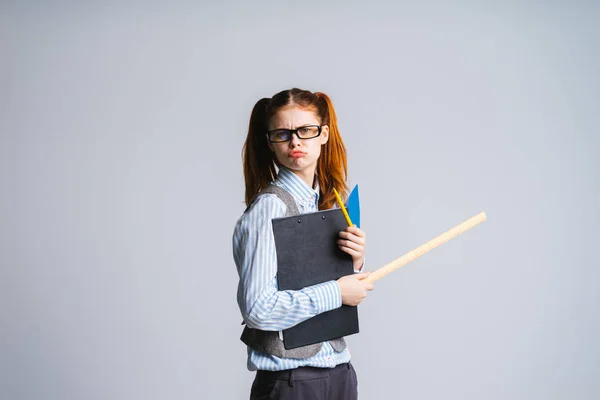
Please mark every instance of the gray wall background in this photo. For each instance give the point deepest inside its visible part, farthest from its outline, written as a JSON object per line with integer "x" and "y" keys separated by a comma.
{"x": 121, "y": 133}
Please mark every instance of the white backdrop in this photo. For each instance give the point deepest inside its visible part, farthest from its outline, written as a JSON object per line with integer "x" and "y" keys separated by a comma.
{"x": 120, "y": 164}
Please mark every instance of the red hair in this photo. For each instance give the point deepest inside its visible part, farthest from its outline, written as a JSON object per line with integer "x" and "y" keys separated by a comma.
{"x": 260, "y": 163}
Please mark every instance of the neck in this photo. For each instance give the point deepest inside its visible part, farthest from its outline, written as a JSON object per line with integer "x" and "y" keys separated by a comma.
{"x": 307, "y": 175}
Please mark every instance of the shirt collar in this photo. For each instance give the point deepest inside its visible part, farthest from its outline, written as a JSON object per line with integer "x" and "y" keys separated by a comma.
{"x": 302, "y": 193}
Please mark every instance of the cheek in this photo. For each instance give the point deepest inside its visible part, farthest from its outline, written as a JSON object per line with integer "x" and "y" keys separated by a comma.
{"x": 318, "y": 149}
{"x": 278, "y": 151}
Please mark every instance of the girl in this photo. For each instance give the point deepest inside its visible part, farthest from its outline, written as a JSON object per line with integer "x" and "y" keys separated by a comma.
{"x": 293, "y": 159}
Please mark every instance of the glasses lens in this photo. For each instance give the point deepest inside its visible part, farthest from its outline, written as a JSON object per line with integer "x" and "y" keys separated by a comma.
{"x": 307, "y": 132}
{"x": 280, "y": 135}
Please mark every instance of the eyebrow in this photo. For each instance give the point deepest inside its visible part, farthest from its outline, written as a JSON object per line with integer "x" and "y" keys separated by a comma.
{"x": 291, "y": 129}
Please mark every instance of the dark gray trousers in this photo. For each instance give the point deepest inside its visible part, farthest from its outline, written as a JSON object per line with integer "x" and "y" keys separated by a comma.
{"x": 306, "y": 383}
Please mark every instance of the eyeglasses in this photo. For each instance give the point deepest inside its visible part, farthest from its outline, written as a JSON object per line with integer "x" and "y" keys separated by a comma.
{"x": 304, "y": 132}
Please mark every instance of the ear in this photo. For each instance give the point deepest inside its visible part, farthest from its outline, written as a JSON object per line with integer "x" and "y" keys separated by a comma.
{"x": 324, "y": 134}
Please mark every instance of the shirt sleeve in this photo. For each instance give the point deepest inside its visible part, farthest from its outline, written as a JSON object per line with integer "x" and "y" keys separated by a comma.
{"x": 262, "y": 305}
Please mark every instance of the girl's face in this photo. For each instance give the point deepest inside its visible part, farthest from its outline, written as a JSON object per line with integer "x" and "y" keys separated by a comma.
{"x": 298, "y": 155}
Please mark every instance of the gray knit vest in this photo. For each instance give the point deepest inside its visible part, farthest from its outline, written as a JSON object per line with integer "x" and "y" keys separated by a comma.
{"x": 269, "y": 341}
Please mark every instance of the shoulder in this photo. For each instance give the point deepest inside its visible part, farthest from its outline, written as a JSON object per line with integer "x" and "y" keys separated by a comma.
{"x": 268, "y": 205}
{"x": 261, "y": 211}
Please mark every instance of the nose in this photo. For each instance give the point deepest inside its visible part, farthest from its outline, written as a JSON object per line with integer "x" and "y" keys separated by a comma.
{"x": 295, "y": 140}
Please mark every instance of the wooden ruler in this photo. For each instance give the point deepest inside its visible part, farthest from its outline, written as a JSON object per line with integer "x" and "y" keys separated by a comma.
{"x": 424, "y": 248}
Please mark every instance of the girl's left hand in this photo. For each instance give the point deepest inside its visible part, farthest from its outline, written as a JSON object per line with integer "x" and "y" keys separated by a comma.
{"x": 352, "y": 241}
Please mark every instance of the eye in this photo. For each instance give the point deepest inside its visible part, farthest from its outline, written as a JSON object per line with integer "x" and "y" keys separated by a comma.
{"x": 283, "y": 135}
{"x": 308, "y": 132}
{"x": 280, "y": 135}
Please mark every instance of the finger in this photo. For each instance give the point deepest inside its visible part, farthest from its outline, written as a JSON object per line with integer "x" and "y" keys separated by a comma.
{"x": 353, "y": 238}
{"x": 361, "y": 275}
{"x": 353, "y": 253}
{"x": 352, "y": 245}
{"x": 346, "y": 235}
{"x": 356, "y": 231}
{"x": 369, "y": 286}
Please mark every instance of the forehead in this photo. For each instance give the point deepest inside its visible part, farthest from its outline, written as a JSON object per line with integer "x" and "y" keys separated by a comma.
{"x": 292, "y": 117}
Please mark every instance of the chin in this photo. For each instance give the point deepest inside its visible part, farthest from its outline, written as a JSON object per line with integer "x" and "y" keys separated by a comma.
{"x": 300, "y": 163}
{"x": 295, "y": 167}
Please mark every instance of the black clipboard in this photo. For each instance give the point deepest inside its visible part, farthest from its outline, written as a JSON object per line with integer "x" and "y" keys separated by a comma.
{"x": 308, "y": 254}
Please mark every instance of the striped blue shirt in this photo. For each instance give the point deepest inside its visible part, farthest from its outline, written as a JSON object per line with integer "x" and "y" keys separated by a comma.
{"x": 262, "y": 305}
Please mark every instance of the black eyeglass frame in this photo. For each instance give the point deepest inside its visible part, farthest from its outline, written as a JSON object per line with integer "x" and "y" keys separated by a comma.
{"x": 292, "y": 131}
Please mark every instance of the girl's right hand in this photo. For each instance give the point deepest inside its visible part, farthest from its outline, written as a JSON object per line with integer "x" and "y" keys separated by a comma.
{"x": 353, "y": 289}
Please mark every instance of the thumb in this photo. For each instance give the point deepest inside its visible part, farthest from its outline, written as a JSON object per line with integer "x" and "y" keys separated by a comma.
{"x": 362, "y": 275}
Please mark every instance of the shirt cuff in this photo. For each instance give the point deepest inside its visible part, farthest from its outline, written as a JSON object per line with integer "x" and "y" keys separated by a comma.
{"x": 328, "y": 296}
{"x": 362, "y": 267}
